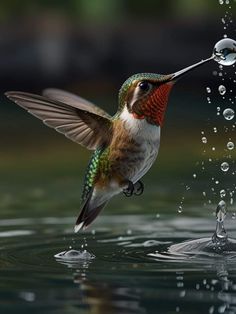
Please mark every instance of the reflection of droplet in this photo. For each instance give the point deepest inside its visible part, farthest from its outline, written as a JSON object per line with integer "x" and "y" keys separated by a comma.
{"x": 208, "y": 90}
{"x": 204, "y": 140}
{"x": 222, "y": 193}
{"x": 224, "y": 166}
{"x": 228, "y": 114}
{"x": 222, "y": 89}
{"x": 224, "y": 51}
{"x": 230, "y": 145}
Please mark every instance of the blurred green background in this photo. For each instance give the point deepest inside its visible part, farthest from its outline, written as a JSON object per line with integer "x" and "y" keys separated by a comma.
{"x": 90, "y": 48}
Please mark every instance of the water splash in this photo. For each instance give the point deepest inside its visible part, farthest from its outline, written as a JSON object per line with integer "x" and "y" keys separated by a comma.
{"x": 74, "y": 256}
{"x": 220, "y": 236}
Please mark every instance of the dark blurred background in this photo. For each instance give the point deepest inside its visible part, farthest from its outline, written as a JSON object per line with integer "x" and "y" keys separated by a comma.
{"x": 90, "y": 48}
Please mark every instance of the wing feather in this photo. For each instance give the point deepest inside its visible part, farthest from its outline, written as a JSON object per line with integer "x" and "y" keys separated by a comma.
{"x": 74, "y": 101}
{"x": 81, "y": 126}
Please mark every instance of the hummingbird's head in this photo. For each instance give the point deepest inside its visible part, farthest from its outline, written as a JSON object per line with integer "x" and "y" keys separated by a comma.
{"x": 145, "y": 96}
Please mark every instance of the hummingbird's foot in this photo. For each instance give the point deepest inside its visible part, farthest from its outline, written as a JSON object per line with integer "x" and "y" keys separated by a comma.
{"x": 138, "y": 188}
{"x": 129, "y": 191}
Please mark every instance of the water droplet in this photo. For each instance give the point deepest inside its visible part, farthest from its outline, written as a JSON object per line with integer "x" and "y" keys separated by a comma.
{"x": 223, "y": 20}
{"x": 215, "y": 130}
{"x": 221, "y": 1}
{"x": 230, "y": 145}
{"x": 208, "y": 90}
{"x": 213, "y": 148}
{"x": 225, "y": 51}
{"x": 222, "y": 89}
{"x": 157, "y": 216}
{"x": 233, "y": 215}
{"x": 217, "y": 182}
{"x": 204, "y": 193}
{"x": 224, "y": 166}
{"x": 180, "y": 209}
{"x": 228, "y": 114}
{"x": 204, "y": 140}
{"x": 222, "y": 193}
{"x": 194, "y": 175}
{"x": 209, "y": 100}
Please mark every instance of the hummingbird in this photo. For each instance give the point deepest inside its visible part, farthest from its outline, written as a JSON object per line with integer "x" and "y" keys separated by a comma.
{"x": 125, "y": 145}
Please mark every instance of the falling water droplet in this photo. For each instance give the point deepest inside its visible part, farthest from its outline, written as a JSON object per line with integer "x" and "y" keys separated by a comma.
{"x": 215, "y": 130}
{"x": 194, "y": 175}
{"x": 222, "y": 193}
{"x": 222, "y": 89}
{"x": 180, "y": 209}
{"x": 228, "y": 114}
{"x": 233, "y": 215}
{"x": 204, "y": 140}
{"x": 225, "y": 51}
{"x": 208, "y": 90}
{"x": 221, "y": 1}
{"x": 230, "y": 145}
{"x": 224, "y": 166}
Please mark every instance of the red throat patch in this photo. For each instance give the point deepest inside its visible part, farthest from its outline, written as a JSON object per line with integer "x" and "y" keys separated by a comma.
{"x": 154, "y": 107}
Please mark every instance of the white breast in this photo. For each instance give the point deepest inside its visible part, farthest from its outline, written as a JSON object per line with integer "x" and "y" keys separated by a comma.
{"x": 148, "y": 136}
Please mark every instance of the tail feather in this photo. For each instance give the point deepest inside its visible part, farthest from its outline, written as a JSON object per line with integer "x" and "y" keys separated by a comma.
{"x": 87, "y": 214}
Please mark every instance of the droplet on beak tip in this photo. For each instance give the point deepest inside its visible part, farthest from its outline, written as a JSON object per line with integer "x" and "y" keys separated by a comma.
{"x": 224, "y": 52}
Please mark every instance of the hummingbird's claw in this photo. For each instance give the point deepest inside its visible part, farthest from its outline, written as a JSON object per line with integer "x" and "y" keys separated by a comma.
{"x": 129, "y": 191}
{"x": 138, "y": 188}
{"x": 134, "y": 189}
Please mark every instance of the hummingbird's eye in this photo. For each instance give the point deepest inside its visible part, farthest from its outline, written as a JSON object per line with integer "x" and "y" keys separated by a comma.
{"x": 144, "y": 86}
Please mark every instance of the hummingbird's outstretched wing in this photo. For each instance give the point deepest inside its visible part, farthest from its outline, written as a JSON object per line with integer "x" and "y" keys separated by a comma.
{"x": 78, "y": 124}
{"x": 74, "y": 101}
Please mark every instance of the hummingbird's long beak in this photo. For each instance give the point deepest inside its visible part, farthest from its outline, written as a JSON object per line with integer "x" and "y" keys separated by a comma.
{"x": 175, "y": 76}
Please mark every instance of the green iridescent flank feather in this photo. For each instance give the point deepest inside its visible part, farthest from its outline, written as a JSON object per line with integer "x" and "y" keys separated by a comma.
{"x": 98, "y": 163}
{"x": 131, "y": 80}
{"x": 91, "y": 173}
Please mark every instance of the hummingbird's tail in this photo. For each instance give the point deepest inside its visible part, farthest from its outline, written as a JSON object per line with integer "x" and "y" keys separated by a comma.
{"x": 89, "y": 211}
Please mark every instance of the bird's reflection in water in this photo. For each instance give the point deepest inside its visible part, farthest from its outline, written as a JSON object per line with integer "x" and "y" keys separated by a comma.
{"x": 101, "y": 296}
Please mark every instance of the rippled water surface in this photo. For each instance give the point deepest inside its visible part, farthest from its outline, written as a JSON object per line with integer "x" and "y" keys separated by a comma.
{"x": 128, "y": 264}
